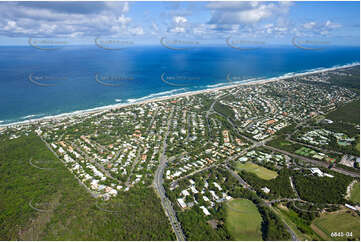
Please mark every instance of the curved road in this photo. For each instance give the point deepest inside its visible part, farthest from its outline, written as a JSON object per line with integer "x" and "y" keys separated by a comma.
{"x": 158, "y": 186}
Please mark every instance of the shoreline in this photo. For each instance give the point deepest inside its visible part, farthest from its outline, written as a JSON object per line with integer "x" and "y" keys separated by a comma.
{"x": 99, "y": 110}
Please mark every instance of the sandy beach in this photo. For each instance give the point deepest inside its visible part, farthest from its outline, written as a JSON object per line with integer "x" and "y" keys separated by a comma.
{"x": 98, "y": 110}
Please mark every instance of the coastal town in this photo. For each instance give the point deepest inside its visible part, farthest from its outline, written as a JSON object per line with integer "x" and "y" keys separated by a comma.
{"x": 197, "y": 151}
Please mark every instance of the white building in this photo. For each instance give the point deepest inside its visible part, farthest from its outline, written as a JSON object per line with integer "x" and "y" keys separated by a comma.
{"x": 266, "y": 190}
{"x": 181, "y": 203}
{"x": 205, "y": 211}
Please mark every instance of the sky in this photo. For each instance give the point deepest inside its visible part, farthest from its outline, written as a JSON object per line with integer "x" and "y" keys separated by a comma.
{"x": 278, "y": 23}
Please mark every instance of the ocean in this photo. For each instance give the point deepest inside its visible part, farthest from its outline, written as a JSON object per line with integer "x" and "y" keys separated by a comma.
{"x": 36, "y": 83}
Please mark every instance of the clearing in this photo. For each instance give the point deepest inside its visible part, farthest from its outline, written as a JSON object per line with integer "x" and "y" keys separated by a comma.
{"x": 243, "y": 220}
{"x": 343, "y": 221}
{"x": 260, "y": 171}
{"x": 355, "y": 193}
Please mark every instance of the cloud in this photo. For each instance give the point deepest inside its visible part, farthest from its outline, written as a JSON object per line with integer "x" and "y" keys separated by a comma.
{"x": 136, "y": 31}
{"x": 202, "y": 20}
{"x": 316, "y": 28}
{"x": 309, "y": 25}
{"x": 64, "y": 19}
{"x": 244, "y": 12}
{"x": 65, "y": 7}
{"x": 332, "y": 25}
{"x": 179, "y": 20}
{"x": 250, "y": 19}
{"x": 123, "y": 20}
{"x": 177, "y": 29}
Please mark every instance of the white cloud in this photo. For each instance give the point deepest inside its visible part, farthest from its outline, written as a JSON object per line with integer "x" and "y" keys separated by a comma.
{"x": 123, "y": 20}
{"x": 32, "y": 20}
{"x": 126, "y": 7}
{"x": 179, "y": 19}
{"x": 330, "y": 24}
{"x": 155, "y": 27}
{"x": 244, "y": 12}
{"x": 177, "y": 29}
{"x": 136, "y": 31}
{"x": 309, "y": 25}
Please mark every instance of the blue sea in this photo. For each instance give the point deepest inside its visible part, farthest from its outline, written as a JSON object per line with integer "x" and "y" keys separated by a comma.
{"x": 36, "y": 83}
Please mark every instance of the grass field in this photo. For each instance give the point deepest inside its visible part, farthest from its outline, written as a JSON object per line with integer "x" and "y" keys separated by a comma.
{"x": 49, "y": 204}
{"x": 319, "y": 118}
{"x": 355, "y": 193}
{"x": 260, "y": 171}
{"x": 243, "y": 220}
{"x": 343, "y": 221}
{"x": 281, "y": 143}
{"x": 286, "y": 143}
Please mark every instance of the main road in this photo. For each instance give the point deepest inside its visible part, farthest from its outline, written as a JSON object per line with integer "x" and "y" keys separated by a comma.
{"x": 158, "y": 186}
{"x": 315, "y": 162}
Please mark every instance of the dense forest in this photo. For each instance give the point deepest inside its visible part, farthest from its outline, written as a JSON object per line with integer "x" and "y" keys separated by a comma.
{"x": 321, "y": 189}
{"x": 71, "y": 213}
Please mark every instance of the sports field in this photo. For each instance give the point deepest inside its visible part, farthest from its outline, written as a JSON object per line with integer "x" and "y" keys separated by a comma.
{"x": 304, "y": 151}
{"x": 243, "y": 220}
{"x": 344, "y": 222}
{"x": 260, "y": 171}
{"x": 355, "y": 193}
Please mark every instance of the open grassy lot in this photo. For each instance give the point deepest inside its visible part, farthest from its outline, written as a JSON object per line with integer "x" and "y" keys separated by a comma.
{"x": 355, "y": 193}
{"x": 343, "y": 221}
{"x": 49, "y": 204}
{"x": 280, "y": 142}
{"x": 260, "y": 171}
{"x": 243, "y": 220}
